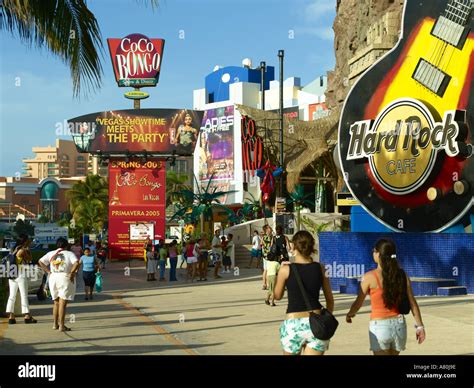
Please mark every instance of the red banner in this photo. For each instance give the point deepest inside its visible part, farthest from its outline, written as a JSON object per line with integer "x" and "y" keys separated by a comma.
{"x": 137, "y": 195}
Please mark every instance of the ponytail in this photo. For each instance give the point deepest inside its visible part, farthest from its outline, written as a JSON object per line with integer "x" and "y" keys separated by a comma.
{"x": 393, "y": 277}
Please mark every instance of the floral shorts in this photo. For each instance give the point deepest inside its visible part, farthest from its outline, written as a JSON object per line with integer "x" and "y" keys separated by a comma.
{"x": 296, "y": 333}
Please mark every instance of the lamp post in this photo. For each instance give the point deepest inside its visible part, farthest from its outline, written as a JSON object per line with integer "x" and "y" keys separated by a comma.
{"x": 281, "y": 56}
{"x": 263, "y": 69}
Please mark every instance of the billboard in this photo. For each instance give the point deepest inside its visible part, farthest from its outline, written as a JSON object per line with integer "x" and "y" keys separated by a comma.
{"x": 216, "y": 145}
{"x": 289, "y": 113}
{"x": 136, "y": 60}
{"x": 137, "y": 197}
{"x": 48, "y": 234}
{"x": 164, "y": 131}
{"x": 318, "y": 111}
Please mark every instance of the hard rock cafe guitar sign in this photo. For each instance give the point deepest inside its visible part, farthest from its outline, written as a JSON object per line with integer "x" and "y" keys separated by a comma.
{"x": 406, "y": 131}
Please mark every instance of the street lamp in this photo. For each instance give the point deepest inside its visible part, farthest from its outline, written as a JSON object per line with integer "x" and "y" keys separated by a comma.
{"x": 281, "y": 56}
{"x": 263, "y": 69}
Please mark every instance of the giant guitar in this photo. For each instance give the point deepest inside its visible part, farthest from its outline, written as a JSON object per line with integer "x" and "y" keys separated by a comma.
{"x": 406, "y": 130}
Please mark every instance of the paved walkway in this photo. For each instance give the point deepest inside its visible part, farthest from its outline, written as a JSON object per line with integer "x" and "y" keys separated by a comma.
{"x": 225, "y": 316}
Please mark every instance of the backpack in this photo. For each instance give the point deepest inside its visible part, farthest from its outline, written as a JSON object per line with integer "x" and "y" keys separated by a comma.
{"x": 9, "y": 263}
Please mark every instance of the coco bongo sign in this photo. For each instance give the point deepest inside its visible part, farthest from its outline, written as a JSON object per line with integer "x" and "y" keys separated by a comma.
{"x": 136, "y": 60}
{"x": 406, "y": 131}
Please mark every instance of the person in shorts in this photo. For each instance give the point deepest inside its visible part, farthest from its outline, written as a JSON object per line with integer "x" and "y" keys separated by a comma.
{"x": 267, "y": 243}
{"x": 256, "y": 252}
{"x": 296, "y": 336}
{"x": 386, "y": 285}
{"x": 191, "y": 260}
{"x": 62, "y": 266}
{"x": 273, "y": 267}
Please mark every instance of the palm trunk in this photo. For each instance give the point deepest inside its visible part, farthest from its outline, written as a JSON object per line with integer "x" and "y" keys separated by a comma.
{"x": 298, "y": 219}
{"x": 202, "y": 223}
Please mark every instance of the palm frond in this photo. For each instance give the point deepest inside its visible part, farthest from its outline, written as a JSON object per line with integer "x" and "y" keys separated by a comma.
{"x": 66, "y": 27}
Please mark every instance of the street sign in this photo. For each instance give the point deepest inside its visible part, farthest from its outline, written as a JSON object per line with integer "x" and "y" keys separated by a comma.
{"x": 49, "y": 234}
{"x": 136, "y": 95}
{"x": 346, "y": 199}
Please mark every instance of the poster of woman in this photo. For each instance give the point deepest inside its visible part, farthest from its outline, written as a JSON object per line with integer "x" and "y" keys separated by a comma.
{"x": 216, "y": 146}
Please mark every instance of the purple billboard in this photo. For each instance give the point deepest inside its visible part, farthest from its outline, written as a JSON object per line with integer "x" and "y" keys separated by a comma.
{"x": 216, "y": 144}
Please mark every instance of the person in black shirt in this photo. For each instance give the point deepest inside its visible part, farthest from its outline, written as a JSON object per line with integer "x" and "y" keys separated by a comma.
{"x": 295, "y": 332}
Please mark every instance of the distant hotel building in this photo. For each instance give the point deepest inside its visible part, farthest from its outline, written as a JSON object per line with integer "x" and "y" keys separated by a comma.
{"x": 60, "y": 161}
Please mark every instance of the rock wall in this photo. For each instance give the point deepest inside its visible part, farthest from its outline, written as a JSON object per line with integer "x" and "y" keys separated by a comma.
{"x": 353, "y": 21}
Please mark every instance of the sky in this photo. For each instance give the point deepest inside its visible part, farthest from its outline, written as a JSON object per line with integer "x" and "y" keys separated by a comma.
{"x": 36, "y": 88}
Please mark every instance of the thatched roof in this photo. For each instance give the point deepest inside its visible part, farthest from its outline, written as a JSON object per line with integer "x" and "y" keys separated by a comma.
{"x": 305, "y": 141}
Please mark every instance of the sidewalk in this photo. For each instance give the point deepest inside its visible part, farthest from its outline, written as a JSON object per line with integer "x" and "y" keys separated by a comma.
{"x": 225, "y": 316}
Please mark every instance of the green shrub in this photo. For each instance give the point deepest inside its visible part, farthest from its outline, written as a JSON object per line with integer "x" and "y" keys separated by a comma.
{"x": 38, "y": 255}
{"x": 3, "y": 295}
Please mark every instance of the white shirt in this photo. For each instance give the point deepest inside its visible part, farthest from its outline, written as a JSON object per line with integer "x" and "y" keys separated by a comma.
{"x": 256, "y": 243}
{"x": 216, "y": 241}
{"x": 230, "y": 250}
{"x": 62, "y": 263}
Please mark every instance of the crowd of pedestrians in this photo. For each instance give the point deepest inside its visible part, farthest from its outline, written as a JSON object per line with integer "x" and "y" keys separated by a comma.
{"x": 198, "y": 253}
{"x": 287, "y": 266}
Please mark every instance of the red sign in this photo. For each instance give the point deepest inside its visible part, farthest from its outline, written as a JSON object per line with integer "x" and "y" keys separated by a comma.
{"x": 137, "y": 195}
{"x": 252, "y": 146}
{"x": 317, "y": 111}
{"x": 136, "y": 60}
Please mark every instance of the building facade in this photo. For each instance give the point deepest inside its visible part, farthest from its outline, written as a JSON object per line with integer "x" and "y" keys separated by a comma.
{"x": 32, "y": 197}
{"x": 219, "y": 148}
{"x": 59, "y": 161}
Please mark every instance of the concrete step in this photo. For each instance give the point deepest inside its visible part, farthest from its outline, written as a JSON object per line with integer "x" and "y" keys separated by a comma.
{"x": 420, "y": 286}
{"x": 429, "y": 286}
{"x": 451, "y": 291}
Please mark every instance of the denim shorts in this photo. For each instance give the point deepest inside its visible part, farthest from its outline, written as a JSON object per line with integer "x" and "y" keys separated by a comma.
{"x": 295, "y": 333}
{"x": 386, "y": 334}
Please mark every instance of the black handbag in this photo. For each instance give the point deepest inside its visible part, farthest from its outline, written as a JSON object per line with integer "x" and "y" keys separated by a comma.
{"x": 404, "y": 306}
{"x": 323, "y": 325}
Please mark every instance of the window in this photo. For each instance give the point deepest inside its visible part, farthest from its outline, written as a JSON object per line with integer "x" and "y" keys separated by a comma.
{"x": 80, "y": 158}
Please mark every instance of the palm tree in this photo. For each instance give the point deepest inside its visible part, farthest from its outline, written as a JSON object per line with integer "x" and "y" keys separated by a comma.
{"x": 299, "y": 200}
{"x": 199, "y": 206}
{"x": 90, "y": 217}
{"x": 67, "y": 28}
{"x": 87, "y": 196}
{"x": 174, "y": 184}
{"x": 252, "y": 206}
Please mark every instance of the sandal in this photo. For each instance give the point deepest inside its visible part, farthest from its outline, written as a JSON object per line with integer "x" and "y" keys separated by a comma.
{"x": 55, "y": 327}
{"x": 30, "y": 320}
{"x": 11, "y": 321}
{"x": 65, "y": 328}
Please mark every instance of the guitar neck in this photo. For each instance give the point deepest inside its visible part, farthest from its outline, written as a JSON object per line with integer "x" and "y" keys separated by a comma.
{"x": 459, "y": 11}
